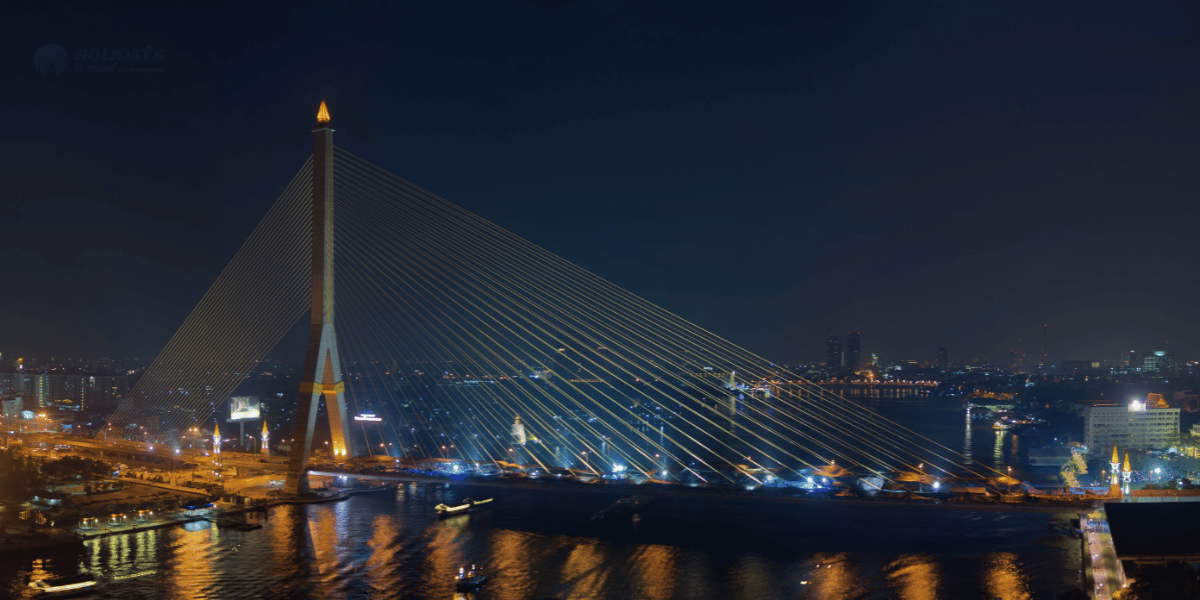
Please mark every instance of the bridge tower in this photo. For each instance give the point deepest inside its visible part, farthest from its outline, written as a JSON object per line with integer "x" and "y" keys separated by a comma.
{"x": 322, "y": 367}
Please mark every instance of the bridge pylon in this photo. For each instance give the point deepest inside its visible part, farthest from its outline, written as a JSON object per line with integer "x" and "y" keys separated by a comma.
{"x": 322, "y": 375}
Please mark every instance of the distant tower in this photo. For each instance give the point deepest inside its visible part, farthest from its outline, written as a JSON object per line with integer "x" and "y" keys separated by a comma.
{"x": 852, "y": 351}
{"x": 732, "y": 383}
{"x": 833, "y": 353}
{"x": 943, "y": 359}
{"x": 217, "y": 440}
{"x": 266, "y": 442}
{"x": 1126, "y": 473}
{"x": 1115, "y": 481}
{"x": 322, "y": 375}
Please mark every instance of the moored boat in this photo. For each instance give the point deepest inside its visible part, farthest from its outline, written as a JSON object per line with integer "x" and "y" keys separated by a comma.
{"x": 63, "y": 587}
{"x": 445, "y": 510}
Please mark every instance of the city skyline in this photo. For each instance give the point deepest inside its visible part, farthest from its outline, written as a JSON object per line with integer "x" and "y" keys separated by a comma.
{"x": 948, "y": 211}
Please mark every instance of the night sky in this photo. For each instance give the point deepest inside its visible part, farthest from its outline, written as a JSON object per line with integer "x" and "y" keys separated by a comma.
{"x": 930, "y": 174}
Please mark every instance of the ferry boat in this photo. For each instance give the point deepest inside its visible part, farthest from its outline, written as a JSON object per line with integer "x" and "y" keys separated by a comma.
{"x": 999, "y": 425}
{"x": 445, "y": 510}
{"x": 63, "y": 587}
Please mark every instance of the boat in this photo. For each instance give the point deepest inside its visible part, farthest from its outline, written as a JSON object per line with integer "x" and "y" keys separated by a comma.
{"x": 999, "y": 425}
{"x": 625, "y": 507}
{"x": 469, "y": 581}
{"x": 467, "y": 505}
{"x": 62, "y": 587}
{"x": 133, "y": 575}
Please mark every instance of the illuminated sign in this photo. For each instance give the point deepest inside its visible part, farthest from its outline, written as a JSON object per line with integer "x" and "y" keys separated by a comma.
{"x": 244, "y": 408}
{"x": 369, "y": 417}
{"x": 27, "y": 414}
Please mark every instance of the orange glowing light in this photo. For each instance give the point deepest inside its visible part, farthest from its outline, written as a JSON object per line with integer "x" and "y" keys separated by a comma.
{"x": 323, "y": 113}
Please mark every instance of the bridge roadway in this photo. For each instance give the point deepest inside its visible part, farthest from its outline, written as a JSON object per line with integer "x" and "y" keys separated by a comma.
{"x": 680, "y": 491}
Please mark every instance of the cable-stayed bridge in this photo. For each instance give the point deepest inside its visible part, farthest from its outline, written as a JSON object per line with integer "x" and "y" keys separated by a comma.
{"x": 471, "y": 342}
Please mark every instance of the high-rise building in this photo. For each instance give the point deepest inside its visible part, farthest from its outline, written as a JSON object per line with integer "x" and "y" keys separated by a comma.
{"x": 1159, "y": 361}
{"x": 852, "y": 351}
{"x": 943, "y": 359}
{"x": 833, "y": 353}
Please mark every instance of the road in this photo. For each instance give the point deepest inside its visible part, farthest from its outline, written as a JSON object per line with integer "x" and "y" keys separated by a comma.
{"x": 1107, "y": 574}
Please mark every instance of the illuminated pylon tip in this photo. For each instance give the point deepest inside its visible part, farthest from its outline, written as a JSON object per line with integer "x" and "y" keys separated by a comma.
{"x": 323, "y": 113}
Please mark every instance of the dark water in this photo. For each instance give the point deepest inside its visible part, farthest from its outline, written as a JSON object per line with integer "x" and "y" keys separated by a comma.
{"x": 538, "y": 542}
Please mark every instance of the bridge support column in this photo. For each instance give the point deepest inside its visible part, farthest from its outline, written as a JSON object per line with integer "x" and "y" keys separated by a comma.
{"x": 322, "y": 367}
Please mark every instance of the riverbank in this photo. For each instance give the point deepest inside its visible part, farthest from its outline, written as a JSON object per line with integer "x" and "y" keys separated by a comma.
{"x": 219, "y": 513}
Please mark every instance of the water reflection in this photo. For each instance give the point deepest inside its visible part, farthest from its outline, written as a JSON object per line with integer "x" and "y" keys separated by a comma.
{"x": 834, "y": 578}
{"x": 914, "y": 577}
{"x": 189, "y": 560}
{"x": 967, "y": 441}
{"x": 512, "y": 554}
{"x": 1004, "y": 577}
{"x": 655, "y": 571}
{"x": 380, "y": 569}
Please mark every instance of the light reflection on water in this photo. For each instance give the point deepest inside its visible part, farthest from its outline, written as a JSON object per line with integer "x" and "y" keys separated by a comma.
{"x": 1004, "y": 577}
{"x": 540, "y": 544}
{"x": 914, "y": 577}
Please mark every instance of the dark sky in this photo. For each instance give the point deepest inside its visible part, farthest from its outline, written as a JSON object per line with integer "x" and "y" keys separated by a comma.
{"x": 953, "y": 173}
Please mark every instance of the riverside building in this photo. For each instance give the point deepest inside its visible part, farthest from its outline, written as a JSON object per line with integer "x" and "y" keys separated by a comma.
{"x": 1142, "y": 424}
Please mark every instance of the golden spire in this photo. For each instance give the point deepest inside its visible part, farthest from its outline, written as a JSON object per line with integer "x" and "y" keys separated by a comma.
{"x": 1116, "y": 457}
{"x": 1127, "y": 462}
{"x": 264, "y": 427}
{"x": 322, "y": 113}
{"x": 217, "y": 430}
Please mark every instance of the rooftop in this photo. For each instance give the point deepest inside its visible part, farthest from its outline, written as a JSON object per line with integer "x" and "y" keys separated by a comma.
{"x": 1155, "y": 531}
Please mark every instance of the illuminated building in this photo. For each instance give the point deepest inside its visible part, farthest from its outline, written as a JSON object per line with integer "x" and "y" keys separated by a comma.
{"x": 1142, "y": 424}
{"x": 943, "y": 358}
{"x": 67, "y": 391}
{"x": 266, "y": 447}
{"x": 518, "y": 432}
{"x": 1160, "y": 362}
{"x": 217, "y": 439}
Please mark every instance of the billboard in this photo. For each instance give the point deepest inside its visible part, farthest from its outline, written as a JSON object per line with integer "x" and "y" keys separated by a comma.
{"x": 244, "y": 408}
